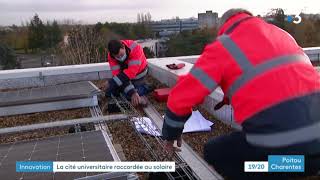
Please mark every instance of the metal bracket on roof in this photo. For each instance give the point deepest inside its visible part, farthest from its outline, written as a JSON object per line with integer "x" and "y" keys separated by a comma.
{"x": 41, "y": 77}
{"x": 97, "y": 91}
{"x": 95, "y": 100}
{"x": 58, "y": 123}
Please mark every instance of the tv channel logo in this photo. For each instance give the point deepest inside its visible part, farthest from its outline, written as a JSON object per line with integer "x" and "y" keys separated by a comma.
{"x": 296, "y": 19}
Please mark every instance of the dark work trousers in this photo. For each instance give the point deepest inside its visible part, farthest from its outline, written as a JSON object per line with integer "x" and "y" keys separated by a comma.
{"x": 140, "y": 86}
{"x": 228, "y": 153}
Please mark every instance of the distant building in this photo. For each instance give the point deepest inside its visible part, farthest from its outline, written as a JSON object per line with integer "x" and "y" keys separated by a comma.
{"x": 208, "y": 19}
{"x": 172, "y": 26}
{"x": 157, "y": 46}
{"x": 166, "y": 33}
{"x": 6, "y": 29}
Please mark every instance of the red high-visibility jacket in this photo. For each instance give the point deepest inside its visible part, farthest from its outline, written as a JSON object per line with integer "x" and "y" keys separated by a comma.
{"x": 135, "y": 65}
{"x": 257, "y": 65}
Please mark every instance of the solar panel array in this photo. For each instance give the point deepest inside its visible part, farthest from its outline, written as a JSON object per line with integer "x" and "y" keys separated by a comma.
{"x": 49, "y": 93}
{"x": 83, "y": 146}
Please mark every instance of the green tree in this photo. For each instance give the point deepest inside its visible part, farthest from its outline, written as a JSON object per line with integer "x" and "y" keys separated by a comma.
{"x": 128, "y": 30}
{"x": 52, "y": 35}
{"x": 278, "y": 17}
{"x": 48, "y": 36}
{"x": 8, "y": 58}
{"x": 56, "y": 33}
{"x": 190, "y": 42}
{"x": 141, "y": 31}
{"x": 98, "y": 26}
{"x": 36, "y": 35}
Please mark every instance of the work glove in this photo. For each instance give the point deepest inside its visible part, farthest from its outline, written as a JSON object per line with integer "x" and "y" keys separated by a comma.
{"x": 138, "y": 100}
{"x": 175, "y": 66}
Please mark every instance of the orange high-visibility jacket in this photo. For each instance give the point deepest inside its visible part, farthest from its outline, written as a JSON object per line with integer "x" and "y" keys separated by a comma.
{"x": 136, "y": 62}
{"x": 258, "y": 66}
{"x": 133, "y": 68}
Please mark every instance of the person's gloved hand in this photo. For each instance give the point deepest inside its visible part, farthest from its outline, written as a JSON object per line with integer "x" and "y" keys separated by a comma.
{"x": 135, "y": 99}
{"x": 222, "y": 103}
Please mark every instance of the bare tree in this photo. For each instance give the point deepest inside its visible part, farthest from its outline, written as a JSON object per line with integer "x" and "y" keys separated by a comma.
{"x": 138, "y": 18}
{"x": 148, "y": 17}
{"x": 142, "y": 18}
{"x": 82, "y": 47}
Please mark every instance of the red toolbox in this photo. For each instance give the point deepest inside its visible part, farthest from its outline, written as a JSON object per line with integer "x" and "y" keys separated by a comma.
{"x": 162, "y": 94}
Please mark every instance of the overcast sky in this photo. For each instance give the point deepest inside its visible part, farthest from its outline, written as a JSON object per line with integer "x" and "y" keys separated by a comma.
{"x": 92, "y": 11}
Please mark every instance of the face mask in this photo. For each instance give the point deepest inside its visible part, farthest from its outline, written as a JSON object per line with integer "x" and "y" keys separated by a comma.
{"x": 122, "y": 58}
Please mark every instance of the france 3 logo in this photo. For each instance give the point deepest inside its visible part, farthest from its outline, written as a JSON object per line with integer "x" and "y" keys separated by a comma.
{"x": 296, "y": 19}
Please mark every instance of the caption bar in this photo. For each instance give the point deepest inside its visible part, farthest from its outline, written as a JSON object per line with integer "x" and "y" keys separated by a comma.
{"x": 91, "y": 166}
{"x": 277, "y": 163}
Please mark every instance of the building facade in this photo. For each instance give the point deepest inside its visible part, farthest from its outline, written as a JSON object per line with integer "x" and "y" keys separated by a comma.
{"x": 157, "y": 46}
{"x": 208, "y": 20}
{"x": 168, "y": 27}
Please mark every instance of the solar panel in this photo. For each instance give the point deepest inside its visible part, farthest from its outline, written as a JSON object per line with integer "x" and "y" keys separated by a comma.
{"x": 84, "y": 146}
{"x": 49, "y": 93}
